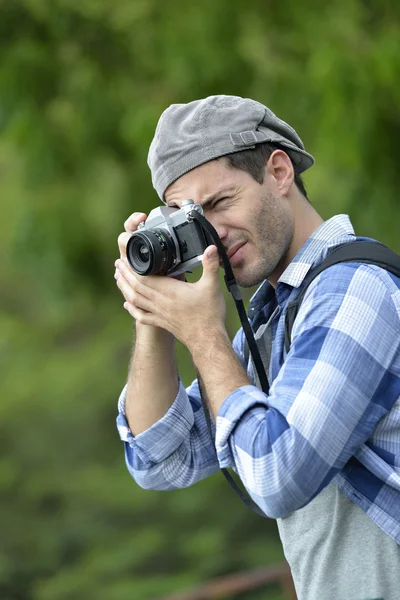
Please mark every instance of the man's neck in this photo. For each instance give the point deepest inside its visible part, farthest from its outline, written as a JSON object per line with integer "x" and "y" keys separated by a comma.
{"x": 306, "y": 221}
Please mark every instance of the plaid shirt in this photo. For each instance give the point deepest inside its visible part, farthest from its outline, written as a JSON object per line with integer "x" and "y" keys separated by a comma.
{"x": 333, "y": 409}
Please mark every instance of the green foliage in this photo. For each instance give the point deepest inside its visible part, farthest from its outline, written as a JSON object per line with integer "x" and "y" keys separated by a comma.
{"x": 82, "y": 85}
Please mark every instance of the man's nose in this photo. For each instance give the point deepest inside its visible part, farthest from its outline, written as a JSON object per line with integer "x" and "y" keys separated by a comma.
{"x": 221, "y": 229}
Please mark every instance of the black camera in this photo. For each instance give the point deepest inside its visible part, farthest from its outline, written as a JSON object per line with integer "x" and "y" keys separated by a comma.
{"x": 168, "y": 242}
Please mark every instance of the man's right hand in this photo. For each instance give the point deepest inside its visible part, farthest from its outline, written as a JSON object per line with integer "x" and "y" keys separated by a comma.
{"x": 130, "y": 226}
{"x": 152, "y": 381}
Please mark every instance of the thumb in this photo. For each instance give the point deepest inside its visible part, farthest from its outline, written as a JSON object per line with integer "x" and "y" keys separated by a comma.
{"x": 211, "y": 260}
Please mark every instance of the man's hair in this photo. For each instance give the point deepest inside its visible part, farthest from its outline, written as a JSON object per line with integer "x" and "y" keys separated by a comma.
{"x": 253, "y": 162}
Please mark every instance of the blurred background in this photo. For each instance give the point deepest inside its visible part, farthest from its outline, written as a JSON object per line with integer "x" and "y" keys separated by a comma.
{"x": 82, "y": 84}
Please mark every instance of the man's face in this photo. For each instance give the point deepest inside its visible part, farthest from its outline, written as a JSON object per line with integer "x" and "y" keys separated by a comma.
{"x": 255, "y": 227}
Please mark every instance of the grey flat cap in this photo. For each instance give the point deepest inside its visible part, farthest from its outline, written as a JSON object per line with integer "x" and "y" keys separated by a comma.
{"x": 188, "y": 135}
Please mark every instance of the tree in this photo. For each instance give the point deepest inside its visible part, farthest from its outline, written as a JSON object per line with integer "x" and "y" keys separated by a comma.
{"x": 82, "y": 86}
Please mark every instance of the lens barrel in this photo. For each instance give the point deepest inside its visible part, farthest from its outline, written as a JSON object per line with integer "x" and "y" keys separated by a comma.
{"x": 151, "y": 252}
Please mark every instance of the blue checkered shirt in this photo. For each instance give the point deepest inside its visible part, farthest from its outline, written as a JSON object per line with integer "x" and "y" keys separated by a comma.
{"x": 333, "y": 410}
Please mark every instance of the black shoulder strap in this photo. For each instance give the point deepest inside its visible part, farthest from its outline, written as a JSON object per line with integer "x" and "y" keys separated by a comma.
{"x": 369, "y": 252}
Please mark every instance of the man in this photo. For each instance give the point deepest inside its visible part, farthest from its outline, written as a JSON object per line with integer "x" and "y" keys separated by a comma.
{"x": 321, "y": 451}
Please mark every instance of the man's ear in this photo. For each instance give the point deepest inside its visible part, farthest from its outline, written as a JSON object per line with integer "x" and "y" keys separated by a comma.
{"x": 279, "y": 167}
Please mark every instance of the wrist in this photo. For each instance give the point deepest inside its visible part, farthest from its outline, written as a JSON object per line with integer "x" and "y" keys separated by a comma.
{"x": 153, "y": 336}
{"x": 205, "y": 343}
{"x": 219, "y": 367}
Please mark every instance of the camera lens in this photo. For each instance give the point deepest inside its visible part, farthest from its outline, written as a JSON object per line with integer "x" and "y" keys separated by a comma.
{"x": 143, "y": 253}
{"x": 151, "y": 252}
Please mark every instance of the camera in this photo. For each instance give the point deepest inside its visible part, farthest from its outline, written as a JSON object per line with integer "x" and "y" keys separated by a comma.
{"x": 168, "y": 242}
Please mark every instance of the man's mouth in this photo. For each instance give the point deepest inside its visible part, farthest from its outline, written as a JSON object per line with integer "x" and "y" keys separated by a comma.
{"x": 234, "y": 253}
{"x": 234, "y": 249}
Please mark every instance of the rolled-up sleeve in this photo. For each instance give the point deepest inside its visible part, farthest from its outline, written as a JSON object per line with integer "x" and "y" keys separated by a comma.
{"x": 177, "y": 450}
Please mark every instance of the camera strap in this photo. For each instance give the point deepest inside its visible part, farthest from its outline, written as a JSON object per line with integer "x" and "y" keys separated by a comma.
{"x": 234, "y": 289}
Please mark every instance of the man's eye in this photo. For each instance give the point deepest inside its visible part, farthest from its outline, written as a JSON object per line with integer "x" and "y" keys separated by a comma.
{"x": 218, "y": 202}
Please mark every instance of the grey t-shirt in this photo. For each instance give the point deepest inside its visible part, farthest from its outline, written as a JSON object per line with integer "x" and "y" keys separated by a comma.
{"x": 336, "y": 552}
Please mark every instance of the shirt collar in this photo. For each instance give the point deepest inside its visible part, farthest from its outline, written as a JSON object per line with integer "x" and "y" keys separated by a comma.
{"x": 333, "y": 232}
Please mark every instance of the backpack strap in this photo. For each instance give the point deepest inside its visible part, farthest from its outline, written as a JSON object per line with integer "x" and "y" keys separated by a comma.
{"x": 369, "y": 252}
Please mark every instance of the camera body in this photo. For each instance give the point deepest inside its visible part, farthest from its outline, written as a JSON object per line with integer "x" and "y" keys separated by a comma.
{"x": 169, "y": 242}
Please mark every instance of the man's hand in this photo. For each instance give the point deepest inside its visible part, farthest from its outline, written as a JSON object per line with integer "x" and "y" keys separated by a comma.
{"x": 195, "y": 314}
{"x": 190, "y": 311}
{"x": 130, "y": 225}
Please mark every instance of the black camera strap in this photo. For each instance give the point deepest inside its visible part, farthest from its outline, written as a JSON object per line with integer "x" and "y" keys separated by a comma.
{"x": 234, "y": 289}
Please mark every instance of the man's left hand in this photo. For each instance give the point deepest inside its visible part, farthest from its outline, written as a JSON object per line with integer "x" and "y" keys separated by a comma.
{"x": 187, "y": 310}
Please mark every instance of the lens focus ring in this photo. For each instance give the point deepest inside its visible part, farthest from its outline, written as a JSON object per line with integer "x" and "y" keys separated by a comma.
{"x": 151, "y": 252}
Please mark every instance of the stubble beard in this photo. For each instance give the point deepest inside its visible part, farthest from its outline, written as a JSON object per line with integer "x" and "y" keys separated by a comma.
{"x": 273, "y": 234}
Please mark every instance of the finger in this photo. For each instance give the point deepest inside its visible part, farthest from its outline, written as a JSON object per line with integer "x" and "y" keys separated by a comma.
{"x": 142, "y": 317}
{"x": 133, "y": 221}
{"x": 124, "y": 287}
{"x": 130, "y": 227}
{"x": 122, "y": 242}
{"x": 137, "y": 282}
{"x": 210, "y": 263}
{"x": 132, "y": 296}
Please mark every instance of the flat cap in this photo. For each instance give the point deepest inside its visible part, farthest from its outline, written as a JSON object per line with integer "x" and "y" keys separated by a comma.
{"x": 188, "y": 135}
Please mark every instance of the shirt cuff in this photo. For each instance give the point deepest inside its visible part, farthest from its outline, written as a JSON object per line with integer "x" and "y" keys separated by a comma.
{"x": 231, "y": 413}
{"x": 160, "y": 440}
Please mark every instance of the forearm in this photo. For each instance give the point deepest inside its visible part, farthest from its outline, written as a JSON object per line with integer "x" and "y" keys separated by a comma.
{"x": 219, "y": 367}
{"x": 153, "y": 380}
{"x": 177, "y": 451}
